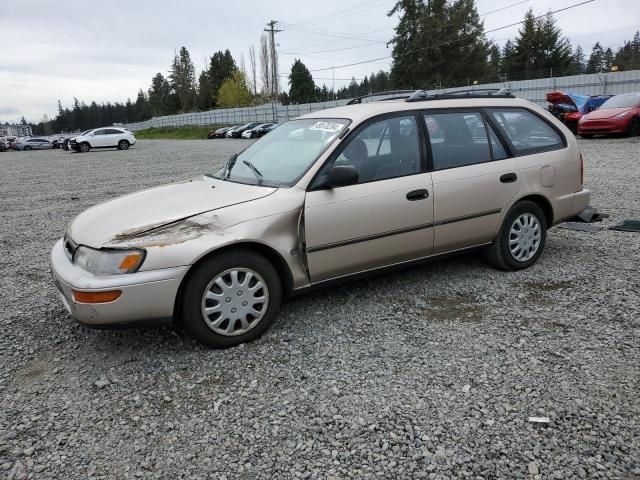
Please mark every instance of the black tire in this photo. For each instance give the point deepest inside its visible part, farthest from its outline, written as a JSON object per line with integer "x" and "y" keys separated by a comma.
{"x": 84, "y": 147}
{"x": 573, "y": 126}
{"x": 634, "y": 128}
{"x": 123, "y": 145}
{"x": 499, "y": 253}
{"x": 587, "y": 136}
{"x": 191, "y": 314}
{"x": 27, "y": 148}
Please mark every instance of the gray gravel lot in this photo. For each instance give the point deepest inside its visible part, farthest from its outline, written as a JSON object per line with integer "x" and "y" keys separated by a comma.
{"x": 431, "y": 372}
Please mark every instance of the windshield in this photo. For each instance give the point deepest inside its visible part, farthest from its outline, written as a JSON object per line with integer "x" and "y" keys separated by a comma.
{"x": 622, "y": 101}
{"x": 283, "y": 156}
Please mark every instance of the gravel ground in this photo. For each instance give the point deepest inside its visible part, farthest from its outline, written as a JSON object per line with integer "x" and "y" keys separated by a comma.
{"x": 432, "y": 372}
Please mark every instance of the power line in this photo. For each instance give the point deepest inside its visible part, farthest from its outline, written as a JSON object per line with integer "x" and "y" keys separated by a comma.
{"x": 451, "y": 41}
{"x": 365, "y": 5}
{"x": 377, "y": 42}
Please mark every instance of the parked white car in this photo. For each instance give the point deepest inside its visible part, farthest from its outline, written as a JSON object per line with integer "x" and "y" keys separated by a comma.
{"x": 106, "y": 137}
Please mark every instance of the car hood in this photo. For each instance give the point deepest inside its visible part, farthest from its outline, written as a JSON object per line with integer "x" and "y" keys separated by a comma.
{"x": 137, "y": 213}
{"x": 606, "y": 113}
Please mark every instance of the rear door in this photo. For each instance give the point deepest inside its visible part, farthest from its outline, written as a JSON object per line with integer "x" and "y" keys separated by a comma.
{"x": 113, "y": 136}
{"x": 385, "y": 218}
{"x": 474, "y": 178}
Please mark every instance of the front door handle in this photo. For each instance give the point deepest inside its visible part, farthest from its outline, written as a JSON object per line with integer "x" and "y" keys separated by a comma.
{"x": 417, "y": 195}
{"x": 508, "y": 178}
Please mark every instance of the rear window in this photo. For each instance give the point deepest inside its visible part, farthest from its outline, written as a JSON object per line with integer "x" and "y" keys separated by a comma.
{"x": 526, "y": 132}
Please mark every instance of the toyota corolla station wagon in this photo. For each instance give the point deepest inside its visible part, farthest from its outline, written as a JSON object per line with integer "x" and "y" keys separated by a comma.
{"x": 329, "y": 195}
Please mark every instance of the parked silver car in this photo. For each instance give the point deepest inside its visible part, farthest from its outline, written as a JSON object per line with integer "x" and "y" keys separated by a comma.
{"x": 33, "y": 144}
{"x": 344, "y": 191}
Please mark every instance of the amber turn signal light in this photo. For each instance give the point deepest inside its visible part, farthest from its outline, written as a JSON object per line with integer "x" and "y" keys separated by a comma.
{"x": 130, "y": 261}
{"x": 96, "y": 297}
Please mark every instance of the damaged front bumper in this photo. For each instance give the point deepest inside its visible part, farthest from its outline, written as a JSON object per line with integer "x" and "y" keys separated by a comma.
{"x": 147, "y": 295}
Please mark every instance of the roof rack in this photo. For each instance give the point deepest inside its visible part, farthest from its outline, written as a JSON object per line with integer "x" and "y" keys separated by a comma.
{"x": 397, "y": 94}
{"x": 421, "y": 95}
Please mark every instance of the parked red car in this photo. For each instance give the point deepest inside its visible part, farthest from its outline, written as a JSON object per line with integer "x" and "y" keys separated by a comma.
{"x": 619, "y": 114}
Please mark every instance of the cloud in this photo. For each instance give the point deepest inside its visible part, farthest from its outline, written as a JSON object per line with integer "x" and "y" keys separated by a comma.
{"x": 9, "y": 111}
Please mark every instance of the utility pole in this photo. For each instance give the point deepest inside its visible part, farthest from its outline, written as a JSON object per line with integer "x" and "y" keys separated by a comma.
{"x": 272, "y": 30}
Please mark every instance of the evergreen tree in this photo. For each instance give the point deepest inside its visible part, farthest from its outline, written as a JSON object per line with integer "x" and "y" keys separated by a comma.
{"x": 628, "y": 56}
{"x": 141, "y": 107}
{"x": 540, "y": 48}
{"x": 158, "y": 95}
{"x": 508, "y": 60}
{"x": 301, "y": 85}
{"x": 608, "y": 59}
{"x": 437, "y": 43}
{"x": 182, "y": 78}
{"x": 596, "y": 60}
{"x": 577, "y": 61}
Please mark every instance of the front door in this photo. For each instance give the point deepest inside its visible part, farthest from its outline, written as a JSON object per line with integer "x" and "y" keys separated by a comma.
{"x": 386, "y": 218}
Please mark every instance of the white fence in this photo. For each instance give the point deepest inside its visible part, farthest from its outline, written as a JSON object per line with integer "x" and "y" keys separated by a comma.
{"x": 610, "y": 83}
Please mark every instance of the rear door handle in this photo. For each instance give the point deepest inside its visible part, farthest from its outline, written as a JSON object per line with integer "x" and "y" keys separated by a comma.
{"x": 508, "y": 178}
{"x": 417, "y": 195}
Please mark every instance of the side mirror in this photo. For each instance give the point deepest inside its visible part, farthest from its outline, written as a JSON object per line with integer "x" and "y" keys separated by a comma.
{"x": 341, "y": 176}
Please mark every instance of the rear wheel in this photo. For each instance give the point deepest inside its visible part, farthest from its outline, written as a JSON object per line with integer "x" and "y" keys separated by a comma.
{"x": 521, "y": 238}
{"x": 123, "y": 145}
{"x": 84, "y": 147}
{"x": 587, "y": 136}
{"x": 231, "y": 299}
{"x": 573, "y": 126}
{"x": 634, "y": 128}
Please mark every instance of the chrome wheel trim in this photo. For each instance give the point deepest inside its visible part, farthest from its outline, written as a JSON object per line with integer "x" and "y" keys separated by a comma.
{"x": 524, "y": 237}
{"x": 235, "y": 301}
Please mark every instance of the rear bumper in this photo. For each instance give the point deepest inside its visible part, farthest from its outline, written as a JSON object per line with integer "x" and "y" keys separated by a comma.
{"x": 581, "y": 200}
{"x": 145, "y": 295}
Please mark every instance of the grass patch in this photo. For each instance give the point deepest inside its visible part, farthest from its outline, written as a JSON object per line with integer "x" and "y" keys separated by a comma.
{"x": 176, "y": 133}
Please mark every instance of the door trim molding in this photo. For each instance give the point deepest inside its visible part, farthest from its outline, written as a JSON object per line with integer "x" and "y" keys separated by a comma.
{"x": 468, "y": 217}
{"x": 399, "y": 231}
{"x": 366, "y": 238}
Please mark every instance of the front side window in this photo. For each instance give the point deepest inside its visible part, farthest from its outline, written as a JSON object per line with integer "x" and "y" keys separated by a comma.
{"x": 386, "y": 149}
{"x": 527, "y": 132}
{"x": 459, "y": 139}
{"x": 283, "y": 156}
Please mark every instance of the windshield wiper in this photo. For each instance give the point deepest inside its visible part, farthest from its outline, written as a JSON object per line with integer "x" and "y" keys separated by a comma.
{"x": 256, "y": 172}
{"x": 229, "y": 165}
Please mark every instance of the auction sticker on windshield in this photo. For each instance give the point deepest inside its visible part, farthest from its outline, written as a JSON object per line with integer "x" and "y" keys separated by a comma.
{"x": 331, "y": 127}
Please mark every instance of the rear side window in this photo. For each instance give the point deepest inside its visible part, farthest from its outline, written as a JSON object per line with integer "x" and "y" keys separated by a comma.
{"x": 458, "y": 139}
{"x": 113, "y": 131}
{"x": 526, "y": 132}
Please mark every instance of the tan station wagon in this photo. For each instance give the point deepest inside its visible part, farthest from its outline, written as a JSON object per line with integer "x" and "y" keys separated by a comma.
{"x": 332, "y": 194}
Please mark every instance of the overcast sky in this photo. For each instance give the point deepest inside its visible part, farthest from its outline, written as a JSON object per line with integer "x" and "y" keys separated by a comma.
{"x": 106, "y": 51}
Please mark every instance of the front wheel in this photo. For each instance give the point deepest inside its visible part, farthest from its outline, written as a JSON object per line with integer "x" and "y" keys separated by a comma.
{"x": 123, "y": 145}
{"x": 587, "y": 136}
{"x": 231, "y": 299}
{"x": 84, "y": 147}
{"x": 27, "y": 148}
{"x": 634, "y": 128}
{"x": 521, "y": 238}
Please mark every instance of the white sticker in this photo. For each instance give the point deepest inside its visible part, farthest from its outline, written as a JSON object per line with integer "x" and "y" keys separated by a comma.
{"x": 331, "y": 127}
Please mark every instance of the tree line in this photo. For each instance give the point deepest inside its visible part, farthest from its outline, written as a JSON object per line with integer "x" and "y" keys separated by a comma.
{"x": 436, "y": 44}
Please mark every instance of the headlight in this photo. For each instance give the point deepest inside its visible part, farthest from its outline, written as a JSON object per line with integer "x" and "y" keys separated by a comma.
{"x": 108, "y": 262}
{"x": 622, "y": 115}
